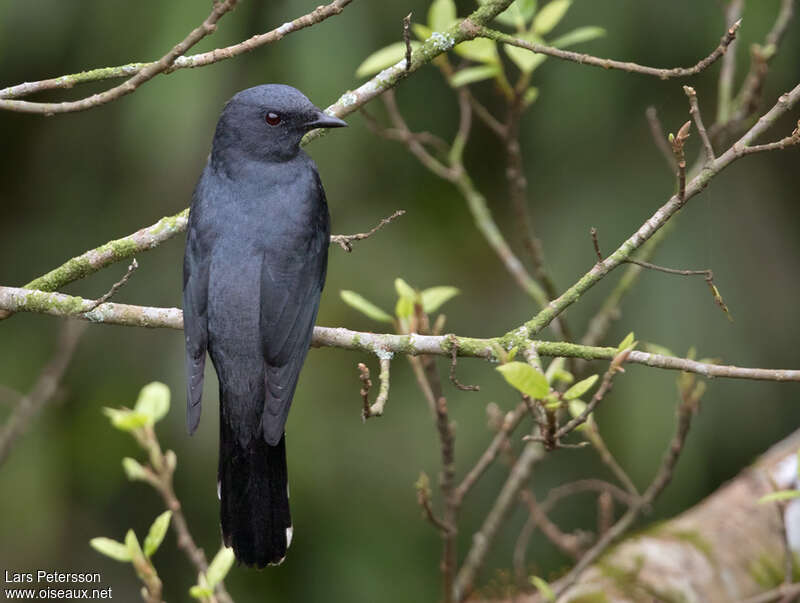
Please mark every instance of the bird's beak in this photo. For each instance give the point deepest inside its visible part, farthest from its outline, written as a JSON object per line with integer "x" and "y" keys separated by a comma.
{"x": 323, "y": 120}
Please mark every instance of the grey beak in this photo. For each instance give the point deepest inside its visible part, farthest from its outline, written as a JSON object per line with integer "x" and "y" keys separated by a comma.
{"x": 323, "y": 120}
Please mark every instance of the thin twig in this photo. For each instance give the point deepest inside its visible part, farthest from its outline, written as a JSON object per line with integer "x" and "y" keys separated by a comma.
{"x": 376, "y": 409}
{"x": 657, "y": 131}
{"x": 43, "y": 390}
{"x": 694, "y": 110}
{"x": 116, "y": 286}
{"x": 453, "y": 379}
{"x": 733, "y": 13}
{"x": 447, "y": 485}
{"x": 366, "y": 385}
{"x": 346, "y": 241}
{"x": 143, "y": 75}
{"x": 585, "y": 59}
{"x": 407, "y": 39}
{"x": 596, "y": 244}
{"x": 678, "y": 141}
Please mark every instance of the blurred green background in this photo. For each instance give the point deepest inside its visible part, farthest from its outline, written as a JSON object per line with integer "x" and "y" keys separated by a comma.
{"x": 72, "y": 182}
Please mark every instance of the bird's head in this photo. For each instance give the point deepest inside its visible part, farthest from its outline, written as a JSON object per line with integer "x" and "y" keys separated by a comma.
{"x": 267, "y": 122}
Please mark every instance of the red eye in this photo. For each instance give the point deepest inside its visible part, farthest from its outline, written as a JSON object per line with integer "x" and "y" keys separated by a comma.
{"x": 273, "y": 119}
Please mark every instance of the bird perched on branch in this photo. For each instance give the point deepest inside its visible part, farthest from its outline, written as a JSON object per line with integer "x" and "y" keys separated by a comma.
{"x": 255, "y": 264}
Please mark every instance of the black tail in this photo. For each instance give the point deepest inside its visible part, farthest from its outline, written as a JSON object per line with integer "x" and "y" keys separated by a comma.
{"x": 253, "y": 489}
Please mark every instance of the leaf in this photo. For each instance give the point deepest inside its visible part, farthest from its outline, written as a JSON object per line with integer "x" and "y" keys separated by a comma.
{"x": 383, "y": 58}
{"x": 556, "y": 364}
{"x": 576, "y": 407}
{"x": 423, "y": 32}
{"x": 550, "y": 15}
{"x": 779, "y": 495}
{"x": 435, "y": 297}
{"x": 404, "y": 289}
{"x": 157, "y": 532}
{"x": 363, "y": 305}
{"x": 531, "y": 94}
{"x": 404, "y": 307}
{"x": 517, "y": 14}
{"x": 544, "y": 588}
{"x": 132, "y": 544}
{"x": 578, "y": 36}
{"x": 200, "y": 592}
{"x": 474, "y": 74}
{"x": 580, "y": 388}
{"x": 526, "y": 60}
{"x": 125, "y": 419}
{"x": 626, "y": 343}
{"x": 441, "y": 14}
{"x": 480, "y": 50}
{"x": 654, "y": 348}
{"x": 525, "y": 378}
{"x": 133, "y": 469}
{"x": 153, "y": 401}
{"x": 110, "y": 548}
{"x": 220, "y": 566}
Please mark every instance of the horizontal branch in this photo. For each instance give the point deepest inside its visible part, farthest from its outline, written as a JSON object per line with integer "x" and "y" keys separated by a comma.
{"x": 196, "y": 60}
{"x": 58, "y": 304}
{"x": 586, "y": 59}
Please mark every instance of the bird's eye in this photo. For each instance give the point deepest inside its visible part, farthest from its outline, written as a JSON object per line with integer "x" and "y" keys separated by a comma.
{"x": 273, "y": 119}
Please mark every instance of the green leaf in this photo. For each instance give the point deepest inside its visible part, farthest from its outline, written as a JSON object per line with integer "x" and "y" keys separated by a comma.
{"x": 404, "y": 307}
{"x": 435, "y": 297}
{"x": 531, "y": 94}
{"x": 441, "y": 14}
{"x": 480, "y": 50}
{"x": 779, "y": 495}
{"x": 525, "y": 378}
{"x": 556, "y": 364}
{"x": 580, "y": 388}
{"x": 110, "y": 548}
{"x": 423, "y": 32}
{"x": 133, "y": 469}
{"x": 550, "y": 16}
{"x": 126, "y": 420}
{"x": 153, "y": 401}
{"x": 627, "y": 342}
{"x": 156, "y": 534}
{"x": 470, "y": 75}
{"x": 523, "y": 58}
{"x": 576, "y": 407}
{"x": 544, "y": 588}
{"x": 654, "y": 348}
{"x": 578, "y": 36}
{"x": 383, "y": 58}
{"x": 200, "y": 592}
{"x": 363, "y": 305}
{"x": 404, "y": 289}
{"x": 220, "y": 566}
{"x": 132, "y": 544}
{"x": 517, "y": 14}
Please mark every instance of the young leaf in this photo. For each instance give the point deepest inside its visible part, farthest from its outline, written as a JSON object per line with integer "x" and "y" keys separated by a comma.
{"x": 157, "y": 532}
{"x": 126, "y": 420}
{"x": 132, "y": 544}
{"x": 556, "y": 364}
{"x": 423, "y": 32}
{"x": 220, "y": 566}
{"x": 523, "y": 58}
{"x": 531, "y": 94}
{"x": 576, "y": 407}
{"x": 779, "y": 495}
{"x": 404, "y": 307}
{"x": 474, "y": 74}
{"x": 578, "y": 36}
{"x": 363, "y": 305}
{"x": 133, "y": 469}
{"x": 200, "y": 592}
{"x": 441, "y": 14}
{"x": 110, "y": 548}
{"x": 153, "y": 401}
{"x": 544, "y": 588}
{"x": 383, "y": 58}
{"x": 580, "y": 388}
{"x": 517, "y": 14}
{"x": 480, "y": 50}
{"x": 525, "y": 378}
{"x": 627, "y": 342}
{"x": 435, "y": 297}
{"x": 550, "y": 15}
{"x": 404, "y": 289}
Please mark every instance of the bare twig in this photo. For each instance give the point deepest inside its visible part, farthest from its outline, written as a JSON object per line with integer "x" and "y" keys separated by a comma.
{"x": 346, "y": 241}
{"x": 366, "y": 385}
{"x": 43, "y": 390}
{"x": 453, "y": 379}
{"x": 143, "y": 75}
{"x": 733, "y": 13}
{"x": 585, "y": 59}
{"x": 657, "y": 131}
{"x": 678, "y": 141}
{"x": 694, "y": 110}
{"x": 197, "y": 60}
{"x": 407, "y": 39}
{"x": 596, "y": 244}
{"x": 375, "y": 409}
{"x": 115, "y": 287}
{"x": 447, "y": 485}
{"x": 424, "y": 499}
{"x": 572, "y": 545}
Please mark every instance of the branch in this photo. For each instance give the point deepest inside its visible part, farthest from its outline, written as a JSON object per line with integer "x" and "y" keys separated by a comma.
{"x": 346, "y": 241}
{"x": 694, "y": 110}
{"x": 43, "y": 390}
{"x": 585, "y": 59}
{"x": 375, "y": 409}
{"x": 413, "y": 344}
{"x": 197, "y": 60}
{"x": 143, "y": 75}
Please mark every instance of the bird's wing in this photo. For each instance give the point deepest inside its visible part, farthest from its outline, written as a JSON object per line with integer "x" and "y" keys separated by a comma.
{"x": 195, "y": 320}
{"x": 291, "y": 285}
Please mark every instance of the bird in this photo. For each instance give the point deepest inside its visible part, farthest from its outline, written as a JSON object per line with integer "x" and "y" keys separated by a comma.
{"x": 254, "y": 267}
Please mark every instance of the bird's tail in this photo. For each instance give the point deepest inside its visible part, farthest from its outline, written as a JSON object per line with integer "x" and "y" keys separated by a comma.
{"x": 254, "y": 495}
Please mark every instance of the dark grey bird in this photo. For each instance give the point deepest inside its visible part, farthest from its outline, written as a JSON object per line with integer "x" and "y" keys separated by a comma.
{"x": 255, "y": 264}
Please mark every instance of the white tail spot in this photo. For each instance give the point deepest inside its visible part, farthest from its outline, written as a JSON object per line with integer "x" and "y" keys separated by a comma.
{"x": 219, "y": 490}
{"x": 289, "y": 532}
